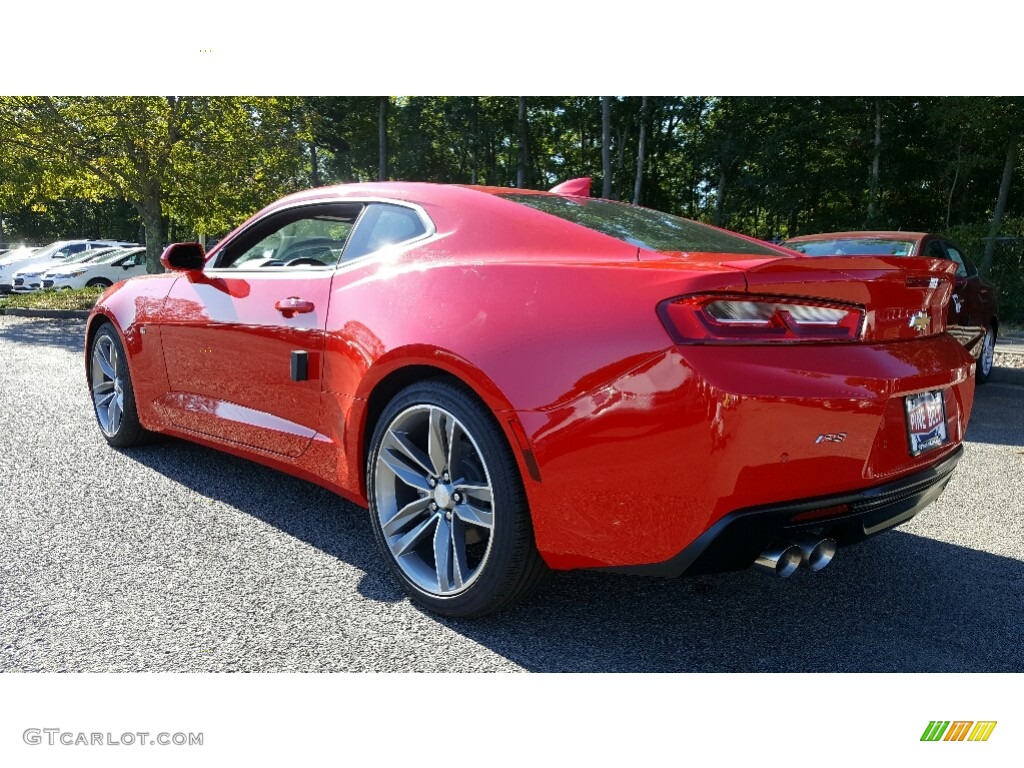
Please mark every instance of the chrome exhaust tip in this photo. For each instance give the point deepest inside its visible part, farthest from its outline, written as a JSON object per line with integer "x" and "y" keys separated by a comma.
{"x": 780, "y": 558}
{"x": 815, "y": 552}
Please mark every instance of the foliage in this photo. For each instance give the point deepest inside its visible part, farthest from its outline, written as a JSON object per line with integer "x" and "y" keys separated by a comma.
{"x": 204, "y": 160}
{"x": 80, "y": 298}
{"x": 765, "y": 166}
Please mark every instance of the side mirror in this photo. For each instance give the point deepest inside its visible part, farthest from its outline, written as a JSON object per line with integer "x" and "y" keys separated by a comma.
{"x": 183, "y": 257}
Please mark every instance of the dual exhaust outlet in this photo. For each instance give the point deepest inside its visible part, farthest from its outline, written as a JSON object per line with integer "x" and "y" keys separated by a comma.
{"x": 784, "y": 557}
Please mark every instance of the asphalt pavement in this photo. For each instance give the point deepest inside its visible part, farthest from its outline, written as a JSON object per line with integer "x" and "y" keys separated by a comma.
{"x": 175, "y": 557}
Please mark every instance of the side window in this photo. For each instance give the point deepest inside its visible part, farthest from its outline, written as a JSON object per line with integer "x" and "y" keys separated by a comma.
{"x": 954, "y": 254}
{"x": 935, "y": 250}
{"x": 314, "y": 236}
{"x": 382, "y": 225}
{"x": 70, "y": 250}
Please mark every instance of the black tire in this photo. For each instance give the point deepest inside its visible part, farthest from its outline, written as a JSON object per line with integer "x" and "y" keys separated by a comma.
{"x": 511, "y": 567}
{"x": 985, "y": 359}
{"x": 128, "y": 430}
{"x": 101, "y": 282}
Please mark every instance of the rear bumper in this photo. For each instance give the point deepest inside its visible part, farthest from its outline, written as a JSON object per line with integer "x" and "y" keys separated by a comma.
{"x": 640, "y": 468}
{"x": 735, "y": 541}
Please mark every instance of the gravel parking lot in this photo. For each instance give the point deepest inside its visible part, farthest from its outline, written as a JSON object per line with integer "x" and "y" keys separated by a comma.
{"x": 174, "y": 557}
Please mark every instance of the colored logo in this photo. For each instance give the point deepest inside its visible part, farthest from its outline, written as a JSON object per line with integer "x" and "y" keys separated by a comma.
{"x": 959, "y": 730}
{"x": 919, "y": 322}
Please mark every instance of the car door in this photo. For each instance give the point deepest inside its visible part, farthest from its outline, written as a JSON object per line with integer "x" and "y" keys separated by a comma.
{"x": 973, "y": 293}
{"x": 243, "y": 343}
{"x": 957, "y": 321}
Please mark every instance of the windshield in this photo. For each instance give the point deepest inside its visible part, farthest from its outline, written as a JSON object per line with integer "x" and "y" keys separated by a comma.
{"x": 860, "y": 246}
{"x": 642, "y": 227}
{"x": 112, "y": 255}
{"x": 86, "y": 256}
{"x": 52, "y": 249}
{"x": 17, "y": 254}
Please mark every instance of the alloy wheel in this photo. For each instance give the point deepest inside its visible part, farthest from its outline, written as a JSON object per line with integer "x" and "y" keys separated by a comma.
{"x": 434, "y": 500}
{"x": 988, "y": 352}
{"x": 107, "y": 385}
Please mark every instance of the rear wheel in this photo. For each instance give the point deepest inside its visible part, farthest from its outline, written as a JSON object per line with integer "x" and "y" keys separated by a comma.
{"x": 447, "y": 504}
{"x": 113, "y": 397}
{"x": 988, "y": 356}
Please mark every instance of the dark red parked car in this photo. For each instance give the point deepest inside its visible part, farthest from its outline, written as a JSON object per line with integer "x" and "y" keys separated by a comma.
{"x": 973, "y": 313}
{"x": 514, "y": 381}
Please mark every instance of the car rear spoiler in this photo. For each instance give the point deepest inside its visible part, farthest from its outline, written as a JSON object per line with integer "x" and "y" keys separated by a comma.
{"x": 577, "y": 187}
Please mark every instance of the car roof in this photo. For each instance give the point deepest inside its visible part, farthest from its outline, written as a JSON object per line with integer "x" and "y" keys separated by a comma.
{"x": 861, "y": 235}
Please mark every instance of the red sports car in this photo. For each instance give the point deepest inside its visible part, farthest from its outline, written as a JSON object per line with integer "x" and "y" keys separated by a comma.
{"x": 973, "y": 312}
{"x": 519, "y": 381}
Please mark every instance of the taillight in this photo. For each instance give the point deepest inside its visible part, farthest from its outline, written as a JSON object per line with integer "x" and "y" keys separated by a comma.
{"x": 744, "y": 319}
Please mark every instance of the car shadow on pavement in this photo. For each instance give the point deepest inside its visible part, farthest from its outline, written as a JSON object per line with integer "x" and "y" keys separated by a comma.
{"x": 298, "y": 508}
{"x": 896, "y": 603}
{"x": 66, "y": 334}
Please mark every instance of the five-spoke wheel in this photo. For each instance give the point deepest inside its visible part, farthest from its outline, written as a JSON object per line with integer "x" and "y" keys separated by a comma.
{"x": 447, "y": 504}
{"x": 107, "y": 385}
{"x": 434, "y": 499}
{"x": 111, "y": 386}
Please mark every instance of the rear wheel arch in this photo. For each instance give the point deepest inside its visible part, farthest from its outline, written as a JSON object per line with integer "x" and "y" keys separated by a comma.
{"x": 394, "y": 381}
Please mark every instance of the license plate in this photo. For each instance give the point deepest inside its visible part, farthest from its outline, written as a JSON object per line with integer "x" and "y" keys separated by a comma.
{"x": 926, "y": 421}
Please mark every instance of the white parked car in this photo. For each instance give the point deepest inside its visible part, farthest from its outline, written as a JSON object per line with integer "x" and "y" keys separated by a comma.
{"x": 28, "y": 277}
{"x": 51, "y": 255}
{"x": 9, "y": 262}
{"x": 104, "y": 270}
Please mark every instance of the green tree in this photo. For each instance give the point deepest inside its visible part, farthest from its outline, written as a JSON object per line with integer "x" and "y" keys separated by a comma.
{"x": 206, "y": 161}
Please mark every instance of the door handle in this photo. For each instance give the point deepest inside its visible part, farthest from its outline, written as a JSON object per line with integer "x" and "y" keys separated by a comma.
{"x": 293, "y": 305}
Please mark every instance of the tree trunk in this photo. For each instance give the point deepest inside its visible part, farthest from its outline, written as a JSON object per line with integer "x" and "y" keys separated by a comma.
{"x": 606, "y": 149}
{"x": 314, "y": 163}
{"x": 956, "y": 176}
{"x": 997, "y": 215}
{"x": 152, "y": 220}
{"x": 524, "y": 137}
{"x": 640, "y": 152}
{"x": 382, "y": 128}
{"x": 719, "y": 199}
{"x": 875, "y": 163}
{"x": 476, "y": 137}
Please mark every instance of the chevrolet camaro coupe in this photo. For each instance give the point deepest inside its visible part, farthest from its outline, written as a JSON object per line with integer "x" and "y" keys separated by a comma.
{"x": 515, "y": 381}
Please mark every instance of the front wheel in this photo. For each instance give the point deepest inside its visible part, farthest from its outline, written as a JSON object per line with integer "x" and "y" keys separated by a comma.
{"x": 447, "y": 504}
{"x": 98, "y": 282}
{"x": 113, "y": 397}
{"x": 988, "y": 356}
